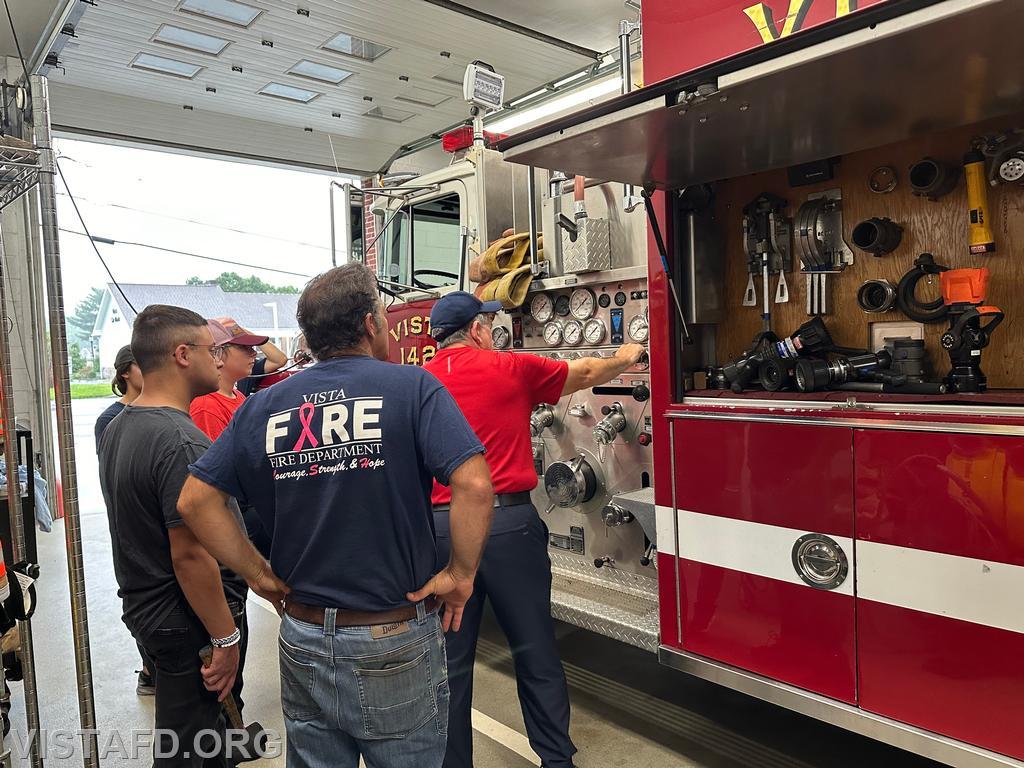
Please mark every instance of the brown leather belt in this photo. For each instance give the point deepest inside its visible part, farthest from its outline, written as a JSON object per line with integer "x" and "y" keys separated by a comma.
{"x": 314, "y": 614}
{"x": 500, "y": 500}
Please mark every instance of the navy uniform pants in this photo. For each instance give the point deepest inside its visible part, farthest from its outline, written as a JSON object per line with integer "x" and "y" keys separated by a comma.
{"x": 515, "y": 575}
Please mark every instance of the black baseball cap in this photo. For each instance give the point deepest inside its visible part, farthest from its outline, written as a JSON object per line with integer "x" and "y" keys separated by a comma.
{"x": 455, "y": 310}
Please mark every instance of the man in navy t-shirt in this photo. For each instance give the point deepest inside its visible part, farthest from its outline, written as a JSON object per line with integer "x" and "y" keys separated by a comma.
{"x": 338, "y": 461}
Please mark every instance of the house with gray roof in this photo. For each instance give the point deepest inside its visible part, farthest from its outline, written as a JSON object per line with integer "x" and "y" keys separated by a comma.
{"x": 265, "y": 314}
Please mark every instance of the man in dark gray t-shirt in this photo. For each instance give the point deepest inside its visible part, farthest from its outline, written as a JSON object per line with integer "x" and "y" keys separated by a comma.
{"x": 144, "y": 459}
{"x": 176, "y": 598}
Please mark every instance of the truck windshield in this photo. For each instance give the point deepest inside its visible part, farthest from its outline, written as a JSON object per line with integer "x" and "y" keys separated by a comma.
{"x": 421, "y": 246}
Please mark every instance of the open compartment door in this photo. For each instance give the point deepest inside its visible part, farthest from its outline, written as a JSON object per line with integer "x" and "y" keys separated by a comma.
{"x": 933, "y": 68}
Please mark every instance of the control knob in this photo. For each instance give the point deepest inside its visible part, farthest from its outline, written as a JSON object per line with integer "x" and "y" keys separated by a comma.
{"x": 601, "y": 562}
{"x": 641, "y": 393}
{"x": 645, "y": 438}
{"x": 648, "y": 557}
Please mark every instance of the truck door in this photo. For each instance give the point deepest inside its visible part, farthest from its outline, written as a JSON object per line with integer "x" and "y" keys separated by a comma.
{"x": 420, "y": 257}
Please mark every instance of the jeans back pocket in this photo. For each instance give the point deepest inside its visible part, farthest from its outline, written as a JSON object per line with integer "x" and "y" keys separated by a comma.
{"x": 298, "y": 681}
{"x": 396, "y": 695}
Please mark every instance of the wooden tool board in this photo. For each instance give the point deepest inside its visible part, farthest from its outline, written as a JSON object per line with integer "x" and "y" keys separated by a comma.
{"x": 938, "y": 227}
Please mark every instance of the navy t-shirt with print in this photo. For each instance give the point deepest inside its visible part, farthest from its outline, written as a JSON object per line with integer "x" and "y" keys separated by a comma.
{"x": 338, "y": 461}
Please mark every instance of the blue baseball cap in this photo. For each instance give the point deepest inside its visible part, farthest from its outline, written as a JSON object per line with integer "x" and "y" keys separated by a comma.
{"x": 455, "y": 310}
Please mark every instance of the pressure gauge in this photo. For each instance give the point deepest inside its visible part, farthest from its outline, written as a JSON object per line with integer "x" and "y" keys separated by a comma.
{"x": 553, "y": 334}
{"x": 573, "y": 333}
{"x": 562, "y": 306}
{"x": 594, "y": 331}
{"x": 638, "y": 329}
{"x": 582, "y": 303}
{"x": 501, "y": 337}
{"x": 542, "y": 308}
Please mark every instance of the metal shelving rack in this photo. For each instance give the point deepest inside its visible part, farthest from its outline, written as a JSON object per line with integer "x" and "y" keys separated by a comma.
{"x": 25, "y": 165}
{"x": 19, "y": 169}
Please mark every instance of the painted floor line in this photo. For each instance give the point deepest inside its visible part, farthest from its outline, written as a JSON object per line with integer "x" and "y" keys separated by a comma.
{"x": 507, "y": 737}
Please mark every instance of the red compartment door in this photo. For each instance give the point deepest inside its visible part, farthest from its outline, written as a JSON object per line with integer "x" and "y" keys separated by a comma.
{"x": 940, "y": 582}
{"x": 746, "y": 494}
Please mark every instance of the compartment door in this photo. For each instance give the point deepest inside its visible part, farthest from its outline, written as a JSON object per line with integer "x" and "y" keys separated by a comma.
{"x": 940, "y": 583}
{"x": 765, "y": 517}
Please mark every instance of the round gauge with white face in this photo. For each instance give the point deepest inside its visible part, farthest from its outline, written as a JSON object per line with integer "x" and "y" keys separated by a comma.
{"x": 501, "y": 337}
{"x": 573, "y": 332}
{"x": 553, "y": 334}
{"x": 594, "y": 331}
{"x": 638, "y": 329}
{"x": 582, "y": 303}
{"x": 542, "y": 308}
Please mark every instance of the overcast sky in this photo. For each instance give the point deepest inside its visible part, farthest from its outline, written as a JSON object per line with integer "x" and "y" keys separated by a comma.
{"x": 243, "y": 213}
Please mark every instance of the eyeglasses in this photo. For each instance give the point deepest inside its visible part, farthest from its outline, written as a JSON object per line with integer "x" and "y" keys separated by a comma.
{"x": 216, "y": 352}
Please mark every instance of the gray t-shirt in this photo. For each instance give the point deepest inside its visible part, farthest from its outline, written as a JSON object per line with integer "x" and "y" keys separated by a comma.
{"x": 144, "y": 457}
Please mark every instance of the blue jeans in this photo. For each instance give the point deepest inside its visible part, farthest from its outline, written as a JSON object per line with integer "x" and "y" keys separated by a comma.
{"x": 346, "y": 694}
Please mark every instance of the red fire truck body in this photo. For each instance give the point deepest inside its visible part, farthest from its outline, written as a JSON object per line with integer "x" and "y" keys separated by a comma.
{"x": 858, "y": 560}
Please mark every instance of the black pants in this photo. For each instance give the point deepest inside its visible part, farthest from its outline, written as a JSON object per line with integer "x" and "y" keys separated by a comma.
{"x": 515, "y": 574}
{"x": 183, "y": 705}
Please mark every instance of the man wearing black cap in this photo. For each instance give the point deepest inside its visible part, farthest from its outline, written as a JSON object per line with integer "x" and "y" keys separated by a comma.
{"x": 496, "y": 392}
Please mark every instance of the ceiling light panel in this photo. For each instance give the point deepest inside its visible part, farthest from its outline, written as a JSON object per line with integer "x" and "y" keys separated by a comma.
{"x": 423, "y": 98}
{"x": 357, "y": 47}
{"x": 390, "y": 114}
{"x": 165, "y": 66}
{"x": 289, "y": 92}
{"x": 168, "y": 34}
{"x": 321, "y": 72}
{"x": 228, "y": 11}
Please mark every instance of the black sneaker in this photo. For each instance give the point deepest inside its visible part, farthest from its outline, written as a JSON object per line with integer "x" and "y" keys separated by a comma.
{"x": 145, "y": 686}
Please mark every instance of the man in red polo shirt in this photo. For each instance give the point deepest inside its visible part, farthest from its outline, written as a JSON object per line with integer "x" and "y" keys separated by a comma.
{"x": 212, "y": 412}
{"x": 497, "y": 391}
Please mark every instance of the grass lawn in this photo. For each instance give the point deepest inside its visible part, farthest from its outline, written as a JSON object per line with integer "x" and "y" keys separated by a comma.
{"x": 83, "y": 390}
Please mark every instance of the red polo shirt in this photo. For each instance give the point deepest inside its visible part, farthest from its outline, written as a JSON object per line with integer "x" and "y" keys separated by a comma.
{"x": 496, "y": 392}
{"x": 212, "y": 412}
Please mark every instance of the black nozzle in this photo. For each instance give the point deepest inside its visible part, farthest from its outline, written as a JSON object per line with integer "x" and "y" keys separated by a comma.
{"x": 776, "y": 375}
{"x": 877, "y": 236}
{"x": 812, "y": 337}
{"x": 812, "y": 375}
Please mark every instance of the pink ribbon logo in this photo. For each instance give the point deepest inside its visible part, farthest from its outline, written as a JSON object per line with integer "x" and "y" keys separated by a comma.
{"x": 306, "y": 417}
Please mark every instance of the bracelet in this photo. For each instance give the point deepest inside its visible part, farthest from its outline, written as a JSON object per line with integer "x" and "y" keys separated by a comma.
{"x": 226, "y": 642}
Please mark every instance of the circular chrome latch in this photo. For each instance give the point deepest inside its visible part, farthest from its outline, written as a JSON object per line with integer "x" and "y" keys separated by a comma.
{"x": 820, "y": 561}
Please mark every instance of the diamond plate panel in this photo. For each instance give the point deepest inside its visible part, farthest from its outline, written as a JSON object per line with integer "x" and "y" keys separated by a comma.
{"x": 592, "y": 250}
{"x": 622, "y": 606}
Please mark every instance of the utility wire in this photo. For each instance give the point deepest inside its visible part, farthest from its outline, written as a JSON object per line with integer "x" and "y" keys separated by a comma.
{"x": 111, "y": 241}
{"x": 82, "y": 221}
{"x": 224, "y": 227}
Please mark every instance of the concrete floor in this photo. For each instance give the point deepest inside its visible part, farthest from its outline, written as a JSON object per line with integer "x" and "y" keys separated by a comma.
{"x": 627, "y": 711}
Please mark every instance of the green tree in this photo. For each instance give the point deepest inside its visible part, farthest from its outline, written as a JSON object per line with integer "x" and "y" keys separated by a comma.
{"x": 80, "y": 367}
{"x": 80, "y": 323}
{"x": 232, "y": 282}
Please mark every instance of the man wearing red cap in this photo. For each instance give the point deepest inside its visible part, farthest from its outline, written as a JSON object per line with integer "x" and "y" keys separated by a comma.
{"x": 212, "y": 412}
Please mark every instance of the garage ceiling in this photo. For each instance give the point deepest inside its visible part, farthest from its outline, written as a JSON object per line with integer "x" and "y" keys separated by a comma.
{"x": 31, "y": 19}
{"x": 416, "y": 82}
{"x": 586, "y": 23}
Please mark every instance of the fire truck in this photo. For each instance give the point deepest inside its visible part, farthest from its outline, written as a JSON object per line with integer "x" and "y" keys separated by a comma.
{"x": 812, "y": 491}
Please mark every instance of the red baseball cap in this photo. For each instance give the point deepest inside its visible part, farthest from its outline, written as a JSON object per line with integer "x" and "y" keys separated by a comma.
{"x": 226, "y": 331}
